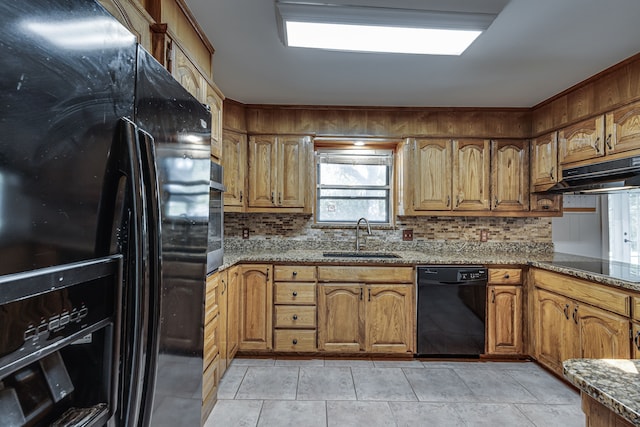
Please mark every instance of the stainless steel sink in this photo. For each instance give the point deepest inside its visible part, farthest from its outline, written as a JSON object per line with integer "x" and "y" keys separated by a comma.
{"x": 360, "y": 254}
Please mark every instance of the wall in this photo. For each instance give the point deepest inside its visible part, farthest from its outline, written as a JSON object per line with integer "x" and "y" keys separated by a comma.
{"x": 532, "y": 234}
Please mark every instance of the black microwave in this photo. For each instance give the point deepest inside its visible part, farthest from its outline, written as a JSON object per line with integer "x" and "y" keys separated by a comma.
{"x": 215, "y": 241}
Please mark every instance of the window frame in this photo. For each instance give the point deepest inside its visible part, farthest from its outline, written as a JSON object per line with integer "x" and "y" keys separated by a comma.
{"x": 387, "y": 153}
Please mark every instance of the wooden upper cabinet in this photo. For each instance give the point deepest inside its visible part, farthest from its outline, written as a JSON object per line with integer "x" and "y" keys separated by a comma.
{"x": 234, "y": 162}
{"x": 431, "y": 175}
{"x": 278, "y": 172}
{"x": 262, "y": 171}
{"x": 132, "y": 15}
{"x": 510, "y": 175}
{"x": 544, "y": 161}
{"x": 214, "y": 101}
{"x": 623, "y": 129}
{"x": 582, "y": 141}
{"x": 471, "y": 159}
{"x": 187, "y": 74}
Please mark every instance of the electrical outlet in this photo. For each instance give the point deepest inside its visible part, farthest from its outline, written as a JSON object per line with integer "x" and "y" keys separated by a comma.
{"x": 245, "y": 233}
{"x": 484, "y": 235}
{"x": 407, "y": 235}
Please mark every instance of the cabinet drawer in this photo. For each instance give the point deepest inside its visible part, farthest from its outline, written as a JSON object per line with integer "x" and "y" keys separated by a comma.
{"x": 294, "y": 340}
{"x": 211, "y": 300}
{"x": 295, "y": 316}
{"x": 505, "y": 276}
{"x": 210, "y": 382}
{"x": 294, "y": 273}
{"x": 295, "y": 293}
{"x": 361, "y": 274}
{"x": 211, "y": 349}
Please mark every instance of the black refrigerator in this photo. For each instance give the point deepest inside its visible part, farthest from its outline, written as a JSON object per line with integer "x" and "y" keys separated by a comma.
{"x": 104, "y": 209}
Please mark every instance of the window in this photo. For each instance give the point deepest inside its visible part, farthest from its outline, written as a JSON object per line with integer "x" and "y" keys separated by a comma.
{"x": 352, "y": 184}
{"x": 624, "y": 227}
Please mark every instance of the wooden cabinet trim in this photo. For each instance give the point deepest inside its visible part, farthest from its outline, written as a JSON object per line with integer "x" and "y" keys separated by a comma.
{"x": 366, "y": 274}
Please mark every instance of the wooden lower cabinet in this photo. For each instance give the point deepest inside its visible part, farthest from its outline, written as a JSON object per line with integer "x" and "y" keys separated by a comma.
{"x": 340, "y": 318}
{"x": 566, "y": 329}
{"x": 504, "y": 320}
{"x": 212, "y": 343}
{"x": 357, "y": 317}
{"x": 256, "y": 303}
{"x": 598, "y": 415}
{"x": 233, "y": 313}
{"x": 635, "y": 345}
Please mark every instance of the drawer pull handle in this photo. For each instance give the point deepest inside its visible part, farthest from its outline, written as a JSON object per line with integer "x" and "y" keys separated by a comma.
{"x": 295, "y": 317}
{"x": 295, "y": 341}
{"x": 294, "y": 293}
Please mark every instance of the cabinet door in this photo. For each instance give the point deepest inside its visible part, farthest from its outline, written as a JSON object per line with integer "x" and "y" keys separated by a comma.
{"x": 544, "y": 161}
{"x": 389, "y": 318}
{"x": 581, "y": 141}
{"x": 233, "y": 313}
{"x": 340, "y": 317}
{"x": 214, "y": 101}
{"x": 292, "y": 170}
{"x": 603, "y": 335}
{"x": 256, "y": 302}
{"x": 222, "y": 324}
{"x": 187, "y": 74}
{"x": 234, "y": 162}
{"x": 623, "y": 129}
{"x": 510, "y": 175}
{"x": 432, "y": 175}
{"x": 635, "y": 346}
{"x": 262, "y": 171}
{"x": 504, "y": 320}
{"x": 554, "y": 333}
{"x": 471, "y": 175}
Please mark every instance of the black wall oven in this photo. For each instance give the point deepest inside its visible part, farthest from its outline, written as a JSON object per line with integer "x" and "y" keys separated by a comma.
{"x": 215, "y": 245}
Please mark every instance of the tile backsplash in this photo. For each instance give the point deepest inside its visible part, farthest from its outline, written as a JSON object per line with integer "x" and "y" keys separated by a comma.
{"x": 301, "y": 231}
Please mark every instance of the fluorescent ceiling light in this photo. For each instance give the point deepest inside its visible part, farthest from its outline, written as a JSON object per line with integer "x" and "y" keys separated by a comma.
{"x": 374, "y": 29}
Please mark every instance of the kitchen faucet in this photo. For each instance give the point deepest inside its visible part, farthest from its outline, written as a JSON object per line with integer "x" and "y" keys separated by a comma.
{"x": 358, "y": 231}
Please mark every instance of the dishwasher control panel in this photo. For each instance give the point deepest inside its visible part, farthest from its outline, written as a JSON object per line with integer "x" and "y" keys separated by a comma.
{"x": 466, "y": 275}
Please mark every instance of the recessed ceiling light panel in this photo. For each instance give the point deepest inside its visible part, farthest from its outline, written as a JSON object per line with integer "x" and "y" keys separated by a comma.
{"x": 374, "y": 29}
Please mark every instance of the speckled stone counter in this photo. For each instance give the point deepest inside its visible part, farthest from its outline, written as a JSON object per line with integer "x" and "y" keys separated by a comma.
{"x": 613, "y": 383}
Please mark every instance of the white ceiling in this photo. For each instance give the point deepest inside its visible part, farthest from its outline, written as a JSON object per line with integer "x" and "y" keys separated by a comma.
{"x": 532, "y": 51}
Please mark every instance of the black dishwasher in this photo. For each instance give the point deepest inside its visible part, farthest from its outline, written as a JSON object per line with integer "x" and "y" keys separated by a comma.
{"x": 451, "y": 310}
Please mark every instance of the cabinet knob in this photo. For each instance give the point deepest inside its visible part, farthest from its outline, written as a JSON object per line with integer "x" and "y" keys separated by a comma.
{"x": 295, "y": 317}
{"x": 506, "y": 276}
{"x": 294, "y": 293}
{"x": 295, "y": 273}
{"x": 294, "y": 342}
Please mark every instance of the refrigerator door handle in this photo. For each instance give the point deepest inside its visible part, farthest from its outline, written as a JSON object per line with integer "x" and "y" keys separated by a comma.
{"x": 153, "y": 285}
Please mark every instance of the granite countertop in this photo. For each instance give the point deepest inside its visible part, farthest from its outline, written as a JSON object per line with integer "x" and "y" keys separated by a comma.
{"x": 615, "y": 383}
{"x": 547, "y": 261}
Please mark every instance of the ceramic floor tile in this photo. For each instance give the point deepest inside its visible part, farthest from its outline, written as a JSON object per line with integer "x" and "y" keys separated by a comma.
{"x": 545, "y": 387}
{"x": 175, "y": 412}
{"x": 490, "y": 385}
{"x": 275, "y": 383}
{"x": 253, "y": 362}
{"x": 412, "y": 414}
{"x": 299, "y": 362}
{"x": 491, "y": 415}
{"x": 438, "y": 385}
{"x": 350, "y": 363}
{"x": 230, "y": 382}
{"x": 410, "y": 363}
{"x": 385, "y": 384}
{"x": 287, "y": 413}
{"x": 554, "y": 415}
{"x": 236, "y": 413}
{"x": 326, "y": 384}
{"x": 359, "y": 414}
{"x": 448, "y": 364}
